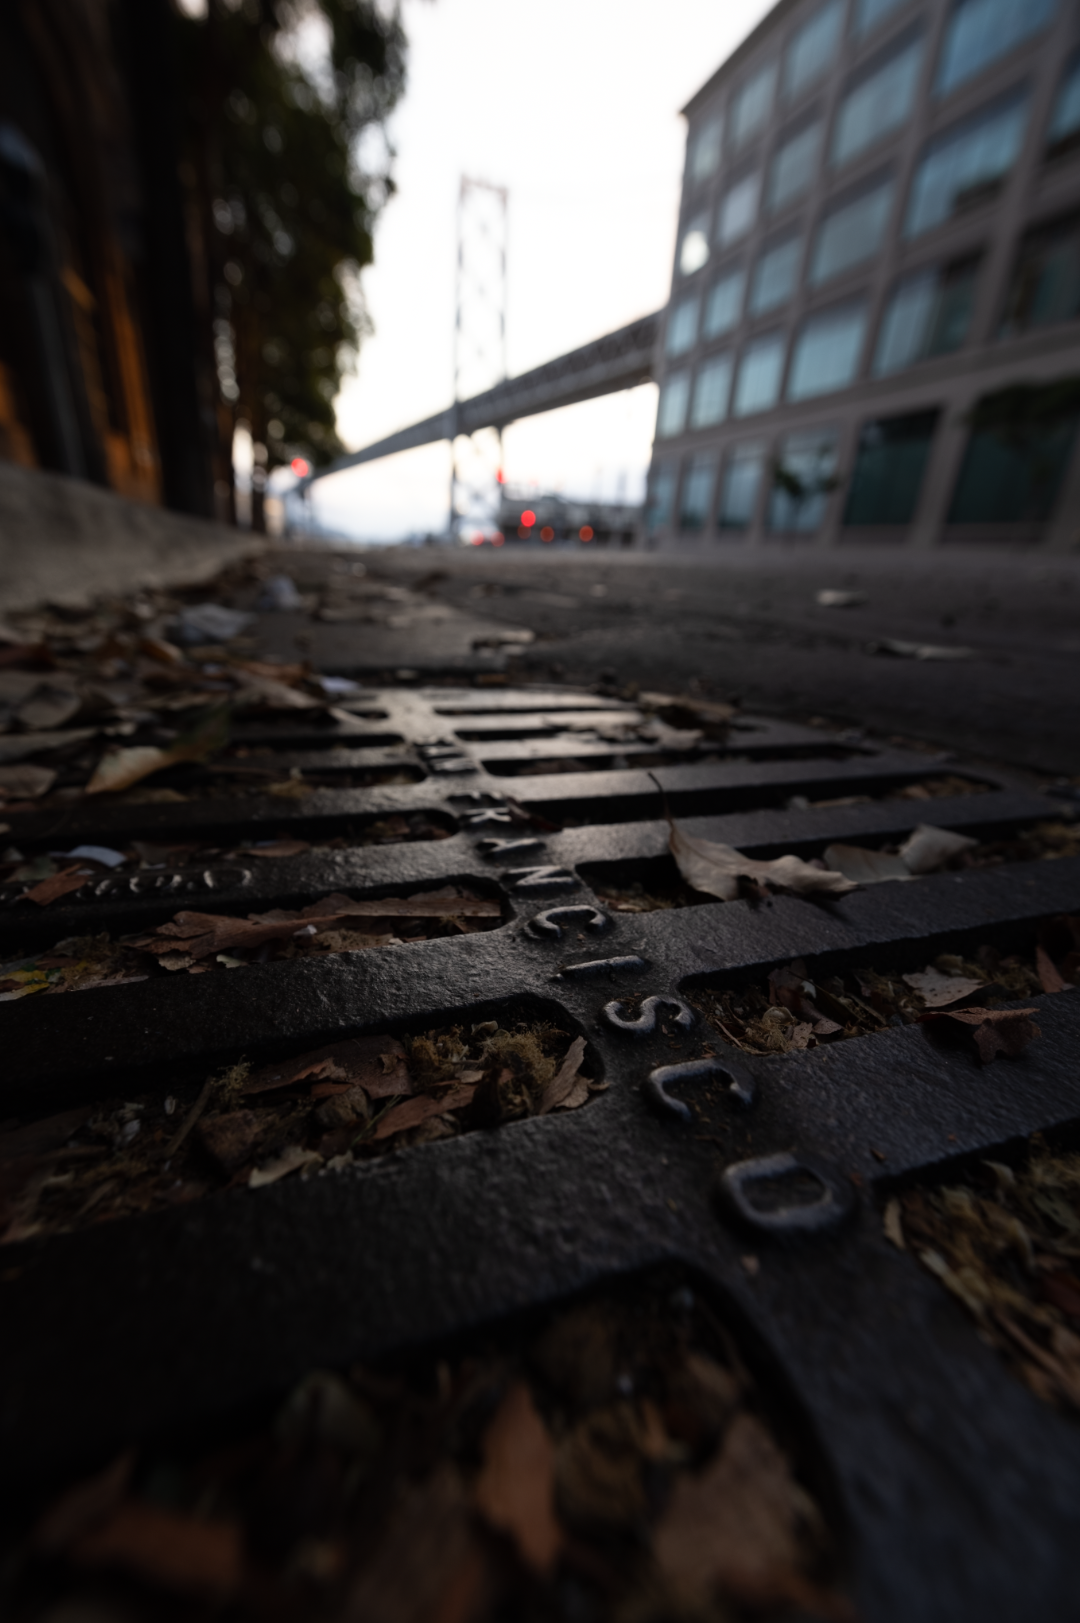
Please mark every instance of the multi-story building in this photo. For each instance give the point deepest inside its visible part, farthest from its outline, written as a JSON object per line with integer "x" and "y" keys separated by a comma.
{"x": 874, "y": 326}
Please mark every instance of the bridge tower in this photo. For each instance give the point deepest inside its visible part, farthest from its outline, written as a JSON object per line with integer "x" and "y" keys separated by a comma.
{"x": 479, "y": 350}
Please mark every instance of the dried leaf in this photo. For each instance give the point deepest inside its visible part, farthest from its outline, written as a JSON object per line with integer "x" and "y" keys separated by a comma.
{"x": 428, "y": 1566}
{"x": 17, "y": 746}
{"x": 61, "y": 884}
{"x": 196, "y": 1557}
{"x": 88, "y": 1502}
{"x": 41, "y": 1137}
{"x": 414, "y": 1111}
{"x": 559, "y": 1089}
{"x": 996, "y": 1031}
{"x": 892, "y": 1224}
{"x": 927, "y": 848}
{"x": 290, "y": 1160}
{"x": 26, "y": 782}
{"x": 936, "y": 989}
{"x": 276, "y": 848}
{"x": 716, "y": 869}
{"x": 865, "y": 867}
{"x": 121, "y": 768}
{"x": 230, "y": 1138}
{"x": 1050, "y": 979}
{"x": 736, "y": 1525}
{"x": 49, "y": 707}
{"x": 516, "y": 1488}
{"x": 376, "y": 1063}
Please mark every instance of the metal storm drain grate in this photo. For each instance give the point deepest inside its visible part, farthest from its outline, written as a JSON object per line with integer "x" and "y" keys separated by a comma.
{"x": 424, "y": 1202}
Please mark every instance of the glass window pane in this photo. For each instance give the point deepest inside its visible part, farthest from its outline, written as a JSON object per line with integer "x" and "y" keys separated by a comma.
{"x": 661, "y": 496}
{"x": 812, "y": 48}
{"x": 762, "y": 364}
{"x": 966, "y": 165}
{"x": 1045, "y": 284}
{"x": 827, "y": 351}
{"x": 1011, "y": 474}
{"x": 877, "y": 104}
{"x": 889, "y": 467}
{"x": 980, "y": 31}
{"x": 775, "y": 276}
{"x": 1064, "y": 128}
{"x": 724, "y": 304}
{"x": 868, "y": 13}
{"x": 697, "y": 491}
{"x": 794, "y": 167}
{"x": 739, "y": 487}
{"x": 928, "y": 314}
{"x": 851, "y": 233}
{"x": 751, "y": 106}
{"x": 711, "y": 392}
{"x": 738, "y": 211}
{"x": 674, "y": 397}
{"x": 694, "y": 247}
{"x": 803, "y": 478}
{"x": 682, "y": 327}
{"x": 703, "y": 158}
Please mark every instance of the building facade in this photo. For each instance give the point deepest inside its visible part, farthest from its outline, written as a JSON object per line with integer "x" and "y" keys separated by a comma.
{"x": 874, "y": 325}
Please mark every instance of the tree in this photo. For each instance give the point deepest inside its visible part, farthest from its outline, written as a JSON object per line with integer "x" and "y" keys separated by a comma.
{"x": 281, "y": 100}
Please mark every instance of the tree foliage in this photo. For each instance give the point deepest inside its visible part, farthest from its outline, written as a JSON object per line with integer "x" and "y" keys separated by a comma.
{"x": 282, "y": 99}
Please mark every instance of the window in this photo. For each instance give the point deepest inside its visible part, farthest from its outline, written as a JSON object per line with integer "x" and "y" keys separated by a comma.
{"x": 724, "y": 304}
{"x": 981, "y": 31}
{"x": 868, "y": 13}
{"x": 889, "y": 467}
{"x": 674, "y": 396}
{"x": 1020, "y": 445}
{"x": 827, "y": 351}
{"x": 738, "y": 211}
{"x": 751, "y": 105}
{"x": 739, "y": 488}
{"x": 1064, "y": 130}
{"x": 966, "y": 165}
{"x": 878, "y": 103}
{"x": 694, "y": 248}
{"x": 711, "y": 392}
{"x": 1045, "y": 283}
{"x": 703, "y": 157}
{"x": 697, "y": 491}
{"x": 803, "y": 477}
{"x": 851, "y": 233}
{"x": 758, "y": 385}
{"x": 928, "y": 314}
{"x": 682, "y": 327}
{"x": 793, "y": 167}
{"x": 775, "y": 276}
{"x": 661, "y": 496}
{"x": 812, "y": 48}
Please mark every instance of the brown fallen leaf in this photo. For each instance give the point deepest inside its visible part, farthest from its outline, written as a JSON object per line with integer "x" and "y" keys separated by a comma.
{"x": 121, "y": 768}
{"x": 936, "y": 989}
{"x": 996, "y": 1031}
{"x": 26, "y": 782}
{"x": 865, "y": 867}
{"x": 377, "y": 1064}
{"x": 204, "y": 1558}
{"x": 928, "y": 848}
{"x": 516, "y": 1489}
{"x": 42, "y": 1137}
{"x": 737, "y": 1524}
{"x": 428, "y": 1565}
{"x": 230, "y": 1138}
{"x": 86, "y": 1503}
{"x": 414, "y": 1111}
{"x": 716, "y": 869}
{"x": 61, "y": 884}
{"x": 276, "y": 848}
{"x": 1050, "y": 978}
{"x": 290, "y": 1160}
{"x": 562, "y": 1083}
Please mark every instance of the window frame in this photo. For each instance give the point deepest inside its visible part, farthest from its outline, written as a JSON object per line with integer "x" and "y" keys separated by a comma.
{"x": 1017, "y": 97}
{"x": 775, "y": 337}
{"x": 913, "y": 39}
{"x": 859, "y": 306}
{"x": 884, "y": 181}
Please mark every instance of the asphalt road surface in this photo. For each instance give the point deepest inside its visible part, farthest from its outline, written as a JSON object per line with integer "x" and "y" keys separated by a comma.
{"x": 751, "y": 624}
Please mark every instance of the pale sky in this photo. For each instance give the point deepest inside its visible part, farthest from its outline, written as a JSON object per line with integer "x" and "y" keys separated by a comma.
{"x": 573, "y": 105}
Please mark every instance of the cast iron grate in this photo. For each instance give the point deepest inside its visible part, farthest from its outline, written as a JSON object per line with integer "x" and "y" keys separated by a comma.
{"x": 763, "y": 1177}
